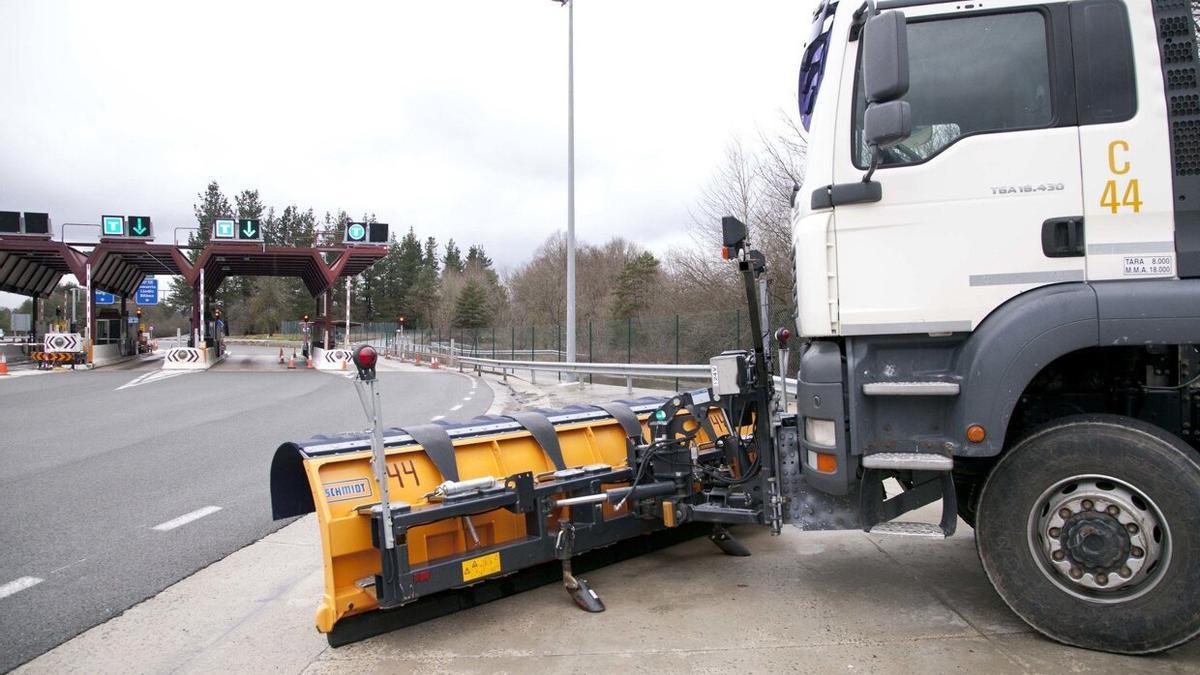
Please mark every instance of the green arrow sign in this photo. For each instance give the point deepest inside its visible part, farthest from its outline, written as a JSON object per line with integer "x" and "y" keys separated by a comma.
{"x": 139, "y": 226}
{"x": 223, "y": 228}
{"x": 114, "y": 226}
{"x": 356, "y": 232}
{"x": 249, "y": 229}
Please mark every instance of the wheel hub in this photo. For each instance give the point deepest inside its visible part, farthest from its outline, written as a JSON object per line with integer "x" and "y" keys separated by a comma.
{"x": 1097, "y": 542}
{"x": 1099, "y": 539}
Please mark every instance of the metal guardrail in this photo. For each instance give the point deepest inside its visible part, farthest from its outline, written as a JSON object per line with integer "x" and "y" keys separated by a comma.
{"x": 444, "y": 348}
{"x": 629, "y": 371}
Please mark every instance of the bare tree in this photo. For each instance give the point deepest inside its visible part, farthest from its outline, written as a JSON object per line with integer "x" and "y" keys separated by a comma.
{"x": 756, "y": 186}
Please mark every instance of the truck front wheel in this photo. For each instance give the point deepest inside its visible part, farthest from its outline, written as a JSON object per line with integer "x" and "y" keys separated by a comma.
{"x": 1088, "y": 530}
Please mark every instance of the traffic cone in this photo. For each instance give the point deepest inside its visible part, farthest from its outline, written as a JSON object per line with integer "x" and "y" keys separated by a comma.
{"x": 292, "y": 361}
{"x": 3, "y": 364}
{"x": 310, "y": 363}
{"x": 281, "y": 354}
{"x": 434, "y": 363}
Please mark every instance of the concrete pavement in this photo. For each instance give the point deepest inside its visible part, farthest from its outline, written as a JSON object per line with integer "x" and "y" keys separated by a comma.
{"x": 115, "y": 484}
{"x": 813, "y": 602}
{"x": 809, "y": 602}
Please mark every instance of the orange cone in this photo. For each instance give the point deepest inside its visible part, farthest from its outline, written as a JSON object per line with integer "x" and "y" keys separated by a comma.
{"x": 292, "y": 361}
{"x": 434, "y": 363}
{"x": 310, "y": 363}
{"x": 3, "y": 364}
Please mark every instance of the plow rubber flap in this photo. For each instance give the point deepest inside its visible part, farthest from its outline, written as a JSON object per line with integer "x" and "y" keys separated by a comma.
{"x": 332, "y": 476}
{"x": 362, "y": 626}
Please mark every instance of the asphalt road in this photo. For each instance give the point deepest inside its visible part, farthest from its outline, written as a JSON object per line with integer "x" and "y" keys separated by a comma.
{"x": 116, "y": 483}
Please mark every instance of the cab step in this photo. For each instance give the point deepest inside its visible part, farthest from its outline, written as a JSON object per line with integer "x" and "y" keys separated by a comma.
{"x": 915, "y": 461}
{"x": 931, "y": 388}
{"x": 907, "y": 529}
{"x": 930, "y": 480}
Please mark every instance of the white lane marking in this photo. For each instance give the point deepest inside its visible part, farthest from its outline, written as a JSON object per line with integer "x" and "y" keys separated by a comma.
{"x": 457, "y": 407}
{"x": 59, "y": 569}
{"x": 18, "y": 585}
{"x": 466, "y": 398}
{"x": 186, "y": 518}
{"x": 474, "y": 383}
{"x": 154, "y": 376}
{"x": 437, "y": 417}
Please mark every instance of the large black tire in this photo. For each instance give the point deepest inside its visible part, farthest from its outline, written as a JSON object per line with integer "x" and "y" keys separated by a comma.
{"x": 1029, "y": 484}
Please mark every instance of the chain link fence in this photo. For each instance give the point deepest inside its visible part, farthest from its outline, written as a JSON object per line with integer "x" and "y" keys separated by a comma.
{"x": 675, "y": 338}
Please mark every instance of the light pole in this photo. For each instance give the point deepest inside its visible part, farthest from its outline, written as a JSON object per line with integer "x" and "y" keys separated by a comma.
{"x": 570, "y": 4}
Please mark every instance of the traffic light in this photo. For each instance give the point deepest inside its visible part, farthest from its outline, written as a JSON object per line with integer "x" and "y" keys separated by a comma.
{"x": 366, "y": 233}
{"x": 139, "y": 226}
{"x": 139, "y": 312}
{"x": 216, "y": 313}
{"x": 304, "y": 318}
{"x": 13, "y": 222}
{"x": 356, "y": 233}
{"x": 401, "y": 320}
{"x": 249, "y": 229}
{"x": 37, "y": 223}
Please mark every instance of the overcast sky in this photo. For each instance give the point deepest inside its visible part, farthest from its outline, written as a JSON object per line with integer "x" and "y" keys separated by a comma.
{"x": 447, "y": 116}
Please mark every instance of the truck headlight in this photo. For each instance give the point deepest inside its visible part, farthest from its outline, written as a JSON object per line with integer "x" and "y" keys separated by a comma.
{"x": 820, "y": 432}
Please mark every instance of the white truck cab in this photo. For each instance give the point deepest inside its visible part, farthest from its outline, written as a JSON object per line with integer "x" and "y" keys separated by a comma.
{"x": 998, "y": 276}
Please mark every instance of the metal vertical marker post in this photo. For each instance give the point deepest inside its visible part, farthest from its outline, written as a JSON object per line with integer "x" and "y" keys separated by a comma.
{"x": 346, "y": 339}
{"x": 200, "y": 343}
{"x": 765, "y": 314}
{"x": 571, "y": 183}
{"x": 88, "y": 304}
{"x": 369, "y": 396}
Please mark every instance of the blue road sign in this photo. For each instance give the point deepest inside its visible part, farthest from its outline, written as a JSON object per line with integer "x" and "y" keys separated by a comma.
{"x": 147, "y": 293}
{"x": 114, "y": 226}
{"x": 103, "y": 298}
{"x": 223, "y": 228}
{"x": 356, "y": 232}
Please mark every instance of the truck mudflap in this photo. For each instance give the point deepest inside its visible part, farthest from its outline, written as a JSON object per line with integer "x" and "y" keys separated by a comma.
{"x": 471, "y": 502}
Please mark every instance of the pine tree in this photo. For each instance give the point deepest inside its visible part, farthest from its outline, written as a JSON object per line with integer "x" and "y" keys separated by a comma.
{"x": 476, "y": 256}
{"x": 431, "y": 257}
{"x": 470, "y": 310}
{"x": 212, "y": 205}
{"x": 633, "y": 284}
{"x": 452, "y": 261}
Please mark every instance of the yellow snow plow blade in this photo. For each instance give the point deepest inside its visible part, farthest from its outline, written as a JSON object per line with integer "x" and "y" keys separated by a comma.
{"x": 447, "y": 543}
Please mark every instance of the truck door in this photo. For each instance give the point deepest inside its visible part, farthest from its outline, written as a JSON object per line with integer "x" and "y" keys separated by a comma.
{"x": 1128, "y": 207}
{"x": 993, "y": 157}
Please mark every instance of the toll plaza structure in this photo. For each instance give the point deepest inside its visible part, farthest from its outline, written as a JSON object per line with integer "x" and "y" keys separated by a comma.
{"x": 33, "y": 263}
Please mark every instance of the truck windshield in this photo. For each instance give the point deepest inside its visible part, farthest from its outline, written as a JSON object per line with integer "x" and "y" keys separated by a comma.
{"x": 812, "y": 65}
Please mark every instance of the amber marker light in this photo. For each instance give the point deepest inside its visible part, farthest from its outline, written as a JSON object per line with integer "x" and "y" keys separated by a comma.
{"x": 976, "y": 433}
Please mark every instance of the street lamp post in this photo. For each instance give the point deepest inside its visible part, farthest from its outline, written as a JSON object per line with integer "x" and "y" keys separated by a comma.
{"x": 570, "y": 4}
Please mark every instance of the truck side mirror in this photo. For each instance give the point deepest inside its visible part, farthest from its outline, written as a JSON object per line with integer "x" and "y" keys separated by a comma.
{"x": 885, "y": 57}
{"x": 887, "y": 120}
{"x": 886, "y": 124}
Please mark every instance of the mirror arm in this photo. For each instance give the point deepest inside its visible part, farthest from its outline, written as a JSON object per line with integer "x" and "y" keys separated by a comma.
{"x": 874, "y": 164}
{"x": 864, "y": 12}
